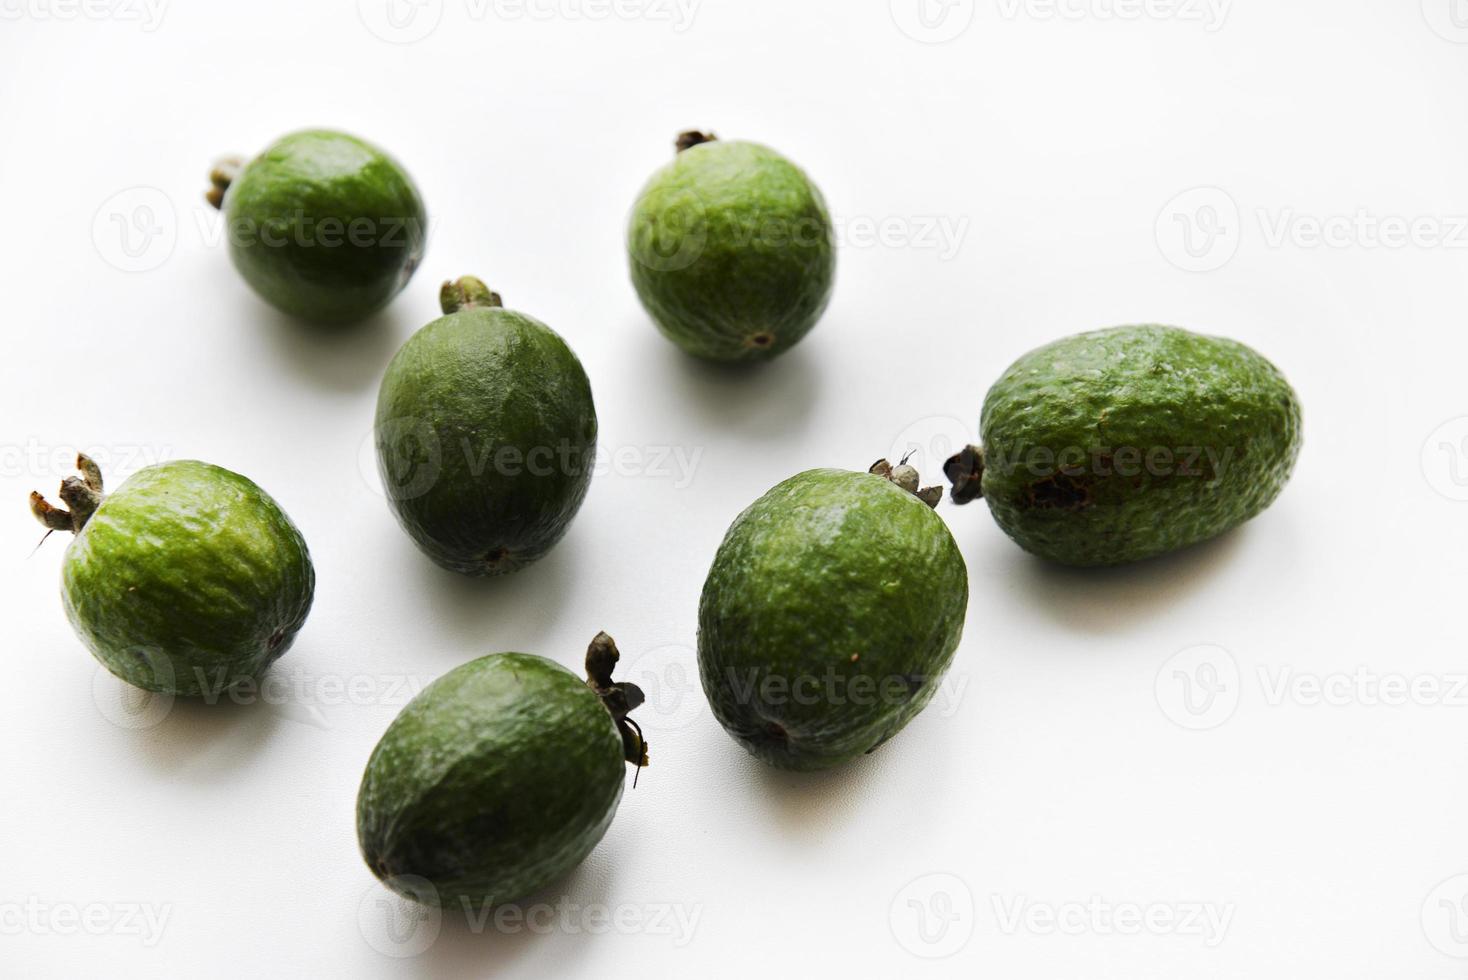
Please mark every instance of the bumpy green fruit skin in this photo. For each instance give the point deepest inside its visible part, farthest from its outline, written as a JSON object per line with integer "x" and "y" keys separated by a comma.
{"x": 732, "y": 252}
{"x": 188, "y": 580}
{"x": 486, "y": 439}
{"x": 495, "y": 781}
{"x": 832, "y": 611}
{"x": 325, "y": 226}
{"x": 1228, "y": 418}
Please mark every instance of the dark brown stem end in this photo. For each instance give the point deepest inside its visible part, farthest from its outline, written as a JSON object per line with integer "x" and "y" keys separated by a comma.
{"x": 966, "y": 472}
{"x": 692, "y": 138}
{"x": 619, "y": 699}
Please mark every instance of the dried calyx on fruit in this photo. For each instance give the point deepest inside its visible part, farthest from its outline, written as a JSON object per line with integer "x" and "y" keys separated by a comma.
{"x": 620, "y": 698}
{"x": 908, "y": 478}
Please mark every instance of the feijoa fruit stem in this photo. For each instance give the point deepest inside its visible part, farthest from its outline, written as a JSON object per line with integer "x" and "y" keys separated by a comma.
{"x": 619, "y": 698}
{"x": 907, "y": 478}
{"x": 966, "y": 472}
{"x": 226, "y": 169}
{"x": 692, "y": 138}
{"x": 467, "y": 293}
{"x": 83, "y": 494}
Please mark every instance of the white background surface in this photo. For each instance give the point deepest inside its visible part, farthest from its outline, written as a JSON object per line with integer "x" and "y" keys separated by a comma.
{"x": 1056, "y": 769}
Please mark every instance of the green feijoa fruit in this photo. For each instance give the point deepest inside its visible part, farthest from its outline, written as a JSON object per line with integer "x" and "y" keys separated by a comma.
{"x": 498, "y": 779}
{"x": 1123, "y": 444}
{"x": 486, "y": 435}
{"x": 830, "y": 615}
{"x": 323, "y": 225}
{"x": 732, "y": 250}
{"x": 186, "y": 580}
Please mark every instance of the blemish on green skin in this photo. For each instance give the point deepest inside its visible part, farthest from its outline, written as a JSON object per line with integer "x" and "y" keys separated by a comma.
{"x": 732, "y": 250}
{"x": 829, "y": 617}
{"x": 322, "y": 225}
{"x": 1119, "y": 445}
